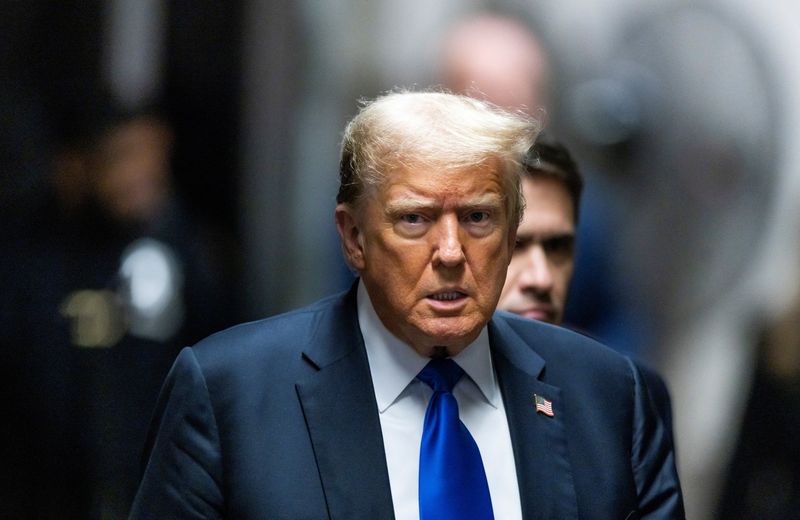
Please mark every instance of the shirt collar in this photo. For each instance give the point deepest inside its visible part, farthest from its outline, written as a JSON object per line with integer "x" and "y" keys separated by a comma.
{"x": 394, "y": 364}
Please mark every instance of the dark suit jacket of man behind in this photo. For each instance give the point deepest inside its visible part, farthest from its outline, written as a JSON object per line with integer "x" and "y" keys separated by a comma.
{"x": 277, "y": 419}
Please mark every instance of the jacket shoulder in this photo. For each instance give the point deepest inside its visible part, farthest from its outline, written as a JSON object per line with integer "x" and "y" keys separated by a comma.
{"x": 274, "y": 338}
{"x": 556, "y": 343}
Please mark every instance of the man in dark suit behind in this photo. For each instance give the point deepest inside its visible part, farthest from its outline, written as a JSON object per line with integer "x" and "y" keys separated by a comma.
{"x": 327, "y": 412}
{"x": 541, "y": 267}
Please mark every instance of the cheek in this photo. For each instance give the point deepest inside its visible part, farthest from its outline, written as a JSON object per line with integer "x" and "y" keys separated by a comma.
{"x": 398, "y": 266}
{"x": 404, "y": 260}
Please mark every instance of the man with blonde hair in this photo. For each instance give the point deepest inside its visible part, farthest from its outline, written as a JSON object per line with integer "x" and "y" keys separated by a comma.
{"x": 408, "y": 396}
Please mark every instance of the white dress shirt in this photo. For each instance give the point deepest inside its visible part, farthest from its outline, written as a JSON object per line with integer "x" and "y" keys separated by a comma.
{"x": 402, "y": 400}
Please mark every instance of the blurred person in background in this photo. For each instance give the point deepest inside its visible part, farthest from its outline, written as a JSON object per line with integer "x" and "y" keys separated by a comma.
{"x": 541, "y": 268}
{"x": 499, "y": 58}
{"x": 763, "y": 478}
{"x": 102, "y": 285}
{"x": 539, "y": 275}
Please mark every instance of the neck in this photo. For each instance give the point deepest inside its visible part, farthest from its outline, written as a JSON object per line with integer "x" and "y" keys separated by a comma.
{"x": 439, "y": 352}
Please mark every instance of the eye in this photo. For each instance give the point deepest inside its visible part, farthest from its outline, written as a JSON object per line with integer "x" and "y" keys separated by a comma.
{"x": 478, "y": 217}
{"x": 562, "y": 245}
{"x": 411, "y": 225}
{"x": 522, "y": 243}
{"x": 479, "y": 223}
{"x": 411, "y": 218}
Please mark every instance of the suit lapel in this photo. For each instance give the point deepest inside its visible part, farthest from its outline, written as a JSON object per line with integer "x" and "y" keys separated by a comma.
{"x": 342, "y": 418}
{"x": 540, "y": 443}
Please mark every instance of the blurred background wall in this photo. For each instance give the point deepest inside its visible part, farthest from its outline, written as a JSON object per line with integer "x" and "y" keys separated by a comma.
{"x": 684, "y": 116}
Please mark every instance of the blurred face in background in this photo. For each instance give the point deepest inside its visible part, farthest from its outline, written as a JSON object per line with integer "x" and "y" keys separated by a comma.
{"x": 131, "y": 169}
{"x": 542, "y": 264}
{"x": 498, "y": 59}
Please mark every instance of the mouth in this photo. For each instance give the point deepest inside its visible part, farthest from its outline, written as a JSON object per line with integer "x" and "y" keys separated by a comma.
{"x": 447, "y": 296}
{"x": 448, "y": 302}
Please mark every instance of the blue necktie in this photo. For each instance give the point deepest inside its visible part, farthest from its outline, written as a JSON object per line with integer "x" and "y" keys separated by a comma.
{"x": 452, "y": 482}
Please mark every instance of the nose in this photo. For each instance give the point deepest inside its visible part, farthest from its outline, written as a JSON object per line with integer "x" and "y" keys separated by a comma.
{"x": 537, "y": 273}
{"x": 449, "y": 251}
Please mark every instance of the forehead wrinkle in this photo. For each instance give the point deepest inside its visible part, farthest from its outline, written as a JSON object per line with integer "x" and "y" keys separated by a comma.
{"x": 484, "y": 200}
{"x": 409, "y": 203}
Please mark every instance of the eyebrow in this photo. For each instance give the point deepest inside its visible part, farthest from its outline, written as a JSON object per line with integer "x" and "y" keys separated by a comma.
{"x": 409, "y": 205}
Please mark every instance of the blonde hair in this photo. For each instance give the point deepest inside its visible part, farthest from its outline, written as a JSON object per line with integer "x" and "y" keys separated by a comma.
{"x": 436, "y": 130}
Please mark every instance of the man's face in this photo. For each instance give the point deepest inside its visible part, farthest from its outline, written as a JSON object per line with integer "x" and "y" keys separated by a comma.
{"x": 132, "y": 170}
{"x": 541, "y": 267}
{"x": 432, "y": 249}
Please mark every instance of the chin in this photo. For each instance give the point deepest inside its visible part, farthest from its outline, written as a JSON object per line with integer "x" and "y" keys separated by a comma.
{"x": 455, "y": 332}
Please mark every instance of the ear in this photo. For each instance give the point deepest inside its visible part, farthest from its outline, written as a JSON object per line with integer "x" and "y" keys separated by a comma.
{"x": 350, "y": 234}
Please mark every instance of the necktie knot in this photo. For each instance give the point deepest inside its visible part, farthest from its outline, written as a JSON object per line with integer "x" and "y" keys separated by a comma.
{"x": 441, "y": 374}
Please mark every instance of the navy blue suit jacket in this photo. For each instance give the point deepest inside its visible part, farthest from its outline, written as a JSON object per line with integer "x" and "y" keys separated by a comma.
{"x": 277, "y": 419}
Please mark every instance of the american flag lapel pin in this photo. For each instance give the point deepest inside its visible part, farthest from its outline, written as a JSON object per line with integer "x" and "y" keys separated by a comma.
{"x": 543, "y": 405}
